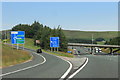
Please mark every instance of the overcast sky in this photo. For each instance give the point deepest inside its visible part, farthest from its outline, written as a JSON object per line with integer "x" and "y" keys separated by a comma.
{"x": 85, "y": 16}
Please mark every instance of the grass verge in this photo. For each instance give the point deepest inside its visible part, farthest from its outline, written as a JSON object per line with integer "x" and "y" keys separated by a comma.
{"x": 12, "y": 56}
{"x": 29, "y": 43}
{"x": 60, "y": 53}
{"x": 107, "y": 50}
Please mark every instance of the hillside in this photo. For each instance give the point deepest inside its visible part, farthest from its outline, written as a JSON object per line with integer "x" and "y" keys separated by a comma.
{"x": 88, "y": 34}
{"x": 85, "y": 34}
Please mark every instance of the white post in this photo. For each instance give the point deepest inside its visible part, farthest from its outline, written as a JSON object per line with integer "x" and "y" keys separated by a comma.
{"x": 57, "y": 49}
{"x": 17, "y": 46}
{"x": 53, "y": 49}
{"x": 92, "y": 38}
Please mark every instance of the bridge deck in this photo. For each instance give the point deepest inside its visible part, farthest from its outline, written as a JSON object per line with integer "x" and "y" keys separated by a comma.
{"x": 93, "y": 45}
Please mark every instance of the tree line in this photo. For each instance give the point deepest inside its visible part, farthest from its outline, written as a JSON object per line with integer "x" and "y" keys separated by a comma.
{"x": 43, "y": 33}
{"x": 114, "y": 41}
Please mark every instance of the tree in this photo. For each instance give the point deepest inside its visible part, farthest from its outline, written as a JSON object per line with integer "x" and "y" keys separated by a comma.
{"x": 114, "y": 41}
{"x": 35, "y": 27}
{"x": 42, "y": 33}
{"x": 99, "y": 39}
{"x": 24, "y": 27}
{"x": 63, "y": 40}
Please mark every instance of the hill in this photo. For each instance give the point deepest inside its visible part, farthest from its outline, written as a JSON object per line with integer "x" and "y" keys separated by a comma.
{"x": 84, "y": 34}
{"x": 88, "y": 34}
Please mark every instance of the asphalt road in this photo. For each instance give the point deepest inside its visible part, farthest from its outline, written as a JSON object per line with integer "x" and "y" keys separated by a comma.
{"x": 52, "y": 68}
{"x": 99, "y": 66}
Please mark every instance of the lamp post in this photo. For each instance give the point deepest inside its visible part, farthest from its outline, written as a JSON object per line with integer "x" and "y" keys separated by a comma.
{"x": 92, "y": 39}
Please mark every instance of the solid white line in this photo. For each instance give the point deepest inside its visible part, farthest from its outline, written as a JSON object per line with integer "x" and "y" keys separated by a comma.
{"x": 71, "y": 76}
{"x": 68, "y": 70}
{"x": 26, "y": 67}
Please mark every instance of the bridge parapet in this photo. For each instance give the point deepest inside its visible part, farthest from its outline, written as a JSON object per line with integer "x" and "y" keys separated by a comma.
{"x": 93, "y": 45}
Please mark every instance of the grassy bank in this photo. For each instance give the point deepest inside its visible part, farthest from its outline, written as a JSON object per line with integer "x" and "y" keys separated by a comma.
{"x": 60, "y": 54}
{"x": 12, "y": 56}
{"x": 88, "y": 34}
{"x": 29, "y": 43}
{"x": 107, "y": 50}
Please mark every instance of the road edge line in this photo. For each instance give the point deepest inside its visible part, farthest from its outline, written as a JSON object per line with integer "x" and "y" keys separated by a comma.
{"x": 26, "y": 67}
{"x": 68, "y": 70}
{"x": 71, "y": 76}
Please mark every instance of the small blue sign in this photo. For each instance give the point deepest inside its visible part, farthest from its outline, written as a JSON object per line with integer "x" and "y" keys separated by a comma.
{"x": 69, "y": 51}
{"x": 17, "y": 37}
{"x": 54, "y": 41}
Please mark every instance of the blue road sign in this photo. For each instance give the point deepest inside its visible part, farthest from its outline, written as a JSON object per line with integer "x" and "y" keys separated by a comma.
{"x": 17, "y": 37}
{"x": 54, "y": 41}
{"x": 69, "y": 51}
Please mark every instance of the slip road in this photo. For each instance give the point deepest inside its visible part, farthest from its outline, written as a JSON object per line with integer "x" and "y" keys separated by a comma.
{"x": 44, "y": 66}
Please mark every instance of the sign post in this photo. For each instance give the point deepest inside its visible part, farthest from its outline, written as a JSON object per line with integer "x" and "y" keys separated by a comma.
{"x": 18, "y": 37}
{"x": 54, "y": 43}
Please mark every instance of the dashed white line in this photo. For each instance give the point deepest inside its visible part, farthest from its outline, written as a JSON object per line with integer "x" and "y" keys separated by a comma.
{"x": 26, "y": 67}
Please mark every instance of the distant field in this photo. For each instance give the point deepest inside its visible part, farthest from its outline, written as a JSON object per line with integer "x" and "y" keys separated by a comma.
{"x": 12, "y": 56}
{"x": 88, "y": 34}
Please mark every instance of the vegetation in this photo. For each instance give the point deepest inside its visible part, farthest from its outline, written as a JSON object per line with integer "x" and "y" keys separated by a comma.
{"x": 60, "y": 53}
{"x": 107, "y": 50}
{"x": 43, "y": 33}
{"x": 114, "y": 41}
{"x": 88, "y": 34}
{"x": 99, "y": 39}
{"x": 81, "y": 41}
{"x": 29, "y": 43}
{"x": 12, "y": 56}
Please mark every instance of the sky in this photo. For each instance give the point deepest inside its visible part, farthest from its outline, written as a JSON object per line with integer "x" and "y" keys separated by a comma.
{"x": 83, "y": 16}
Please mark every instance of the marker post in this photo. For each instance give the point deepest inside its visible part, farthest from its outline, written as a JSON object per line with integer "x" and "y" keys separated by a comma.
{"x": 17, "y": 46}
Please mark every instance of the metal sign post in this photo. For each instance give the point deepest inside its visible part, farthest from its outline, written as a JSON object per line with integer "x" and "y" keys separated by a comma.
{"x": 54, "y": 43}
{"x": 57, "y": 49}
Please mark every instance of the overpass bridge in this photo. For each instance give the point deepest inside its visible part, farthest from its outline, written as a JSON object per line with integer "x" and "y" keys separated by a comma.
{"x": 96, "y": 45}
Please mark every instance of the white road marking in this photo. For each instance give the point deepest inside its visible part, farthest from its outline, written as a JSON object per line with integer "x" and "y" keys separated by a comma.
{"x": 71, "y": 76}
{"x": 68, "y": 70}
{"x": 26, "y": 67}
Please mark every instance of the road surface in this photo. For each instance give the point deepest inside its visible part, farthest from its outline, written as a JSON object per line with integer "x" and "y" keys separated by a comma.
{"x": 52, "y": 68}
{"x": 99, "y": 66}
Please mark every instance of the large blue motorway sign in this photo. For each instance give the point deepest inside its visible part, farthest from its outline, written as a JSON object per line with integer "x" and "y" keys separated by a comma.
{"x": 17, "y": 37}
{"x": 54, "y": 41}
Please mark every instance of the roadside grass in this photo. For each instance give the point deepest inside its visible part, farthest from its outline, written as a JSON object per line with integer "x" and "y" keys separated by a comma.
{"x": 100, "y": 42}
{"x": 29, "y": 43}
{"x": 59, "y": 53}
{"x": 107, "y": 50}
{"x": 12, "y": 56}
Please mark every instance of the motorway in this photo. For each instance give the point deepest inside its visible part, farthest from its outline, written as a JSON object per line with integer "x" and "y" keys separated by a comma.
{"x": 53, "y": 67}
{"x": 98, "y": 66}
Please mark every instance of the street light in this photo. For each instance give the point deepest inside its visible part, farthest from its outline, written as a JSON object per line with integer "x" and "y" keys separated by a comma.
{"x": 92, "y": 39}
